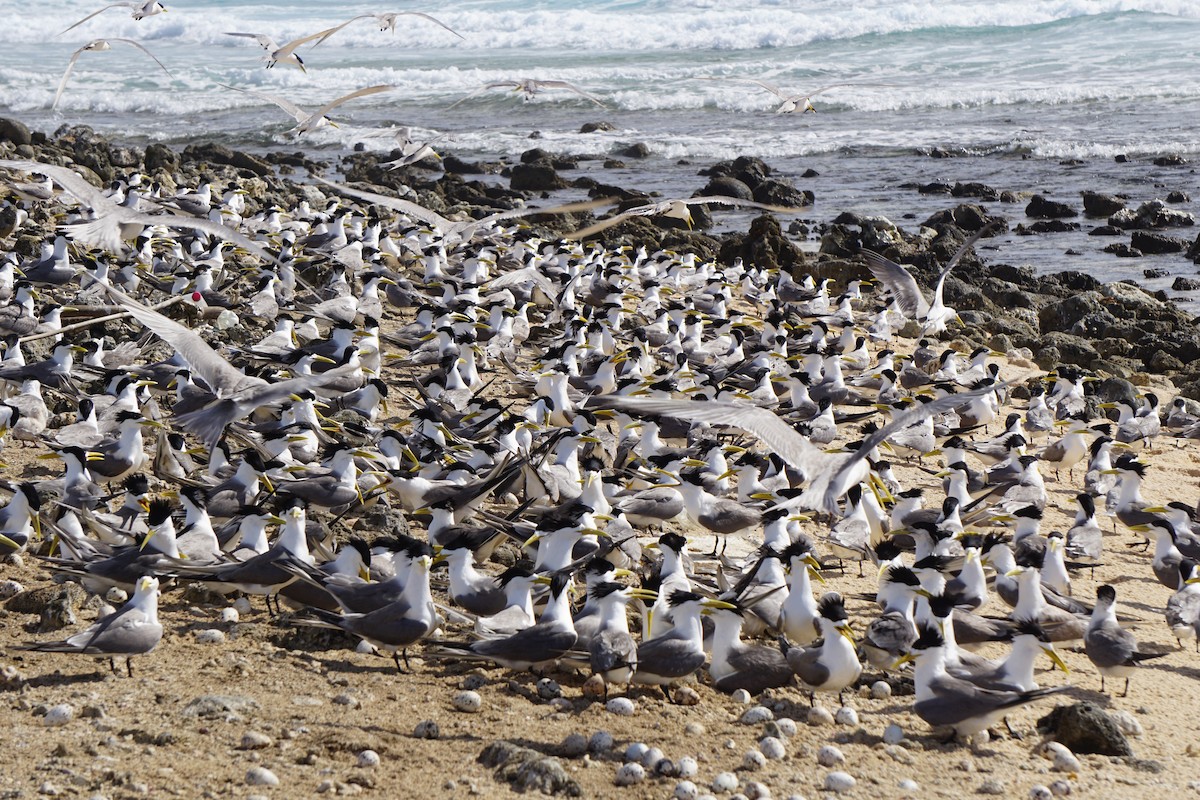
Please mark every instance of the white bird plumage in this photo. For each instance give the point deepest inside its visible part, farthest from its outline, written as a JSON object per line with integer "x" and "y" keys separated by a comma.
{"x": 96, "y": 46}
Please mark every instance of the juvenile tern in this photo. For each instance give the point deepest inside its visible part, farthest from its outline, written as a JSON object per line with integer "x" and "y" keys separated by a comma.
{"x": 95, "y": 46}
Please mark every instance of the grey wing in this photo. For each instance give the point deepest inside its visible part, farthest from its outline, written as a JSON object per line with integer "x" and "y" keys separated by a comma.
{"x": 519, "y": 276}
{"x": 395, "y": 203}
{"x": 223, "y": 232}
{"x": 325, "y": 109}
{"x": 97, "y": 13}
{"x": 221, "y": 376}
{"x": 62, "y": 84}
{"x": 71, "y": 182}
{"x": 805, "y": 662}
{"x": 612, "y": 650}
{"x": 479, "y": 91}
{"x": 762, "y": 423}
{"x": 900, "y": 282}
{"x": 1183, "y": 610}
{"x": 1110, "y": 646}
{"x": 288, "y": 106}
{"x": 264, "y": 41}
{"x": 435, "y": 21}
{"x": 132, "y": 43}
{"x": 958, "y": 254}
{"x": 606, "y": 223}
{"x": 572, "y": 87}
{"x": 325, "y": 34}
{"x": 737, "y": 202}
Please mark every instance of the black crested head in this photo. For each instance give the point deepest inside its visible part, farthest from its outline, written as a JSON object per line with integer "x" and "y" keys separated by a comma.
{"x": 935, "y": 562}
{"x": 364, "y": 549}
{"x": 832, "y": 607}
{"x": 1031, "y": 558}
{"x": 928, "y": 637}
{"x": 672, "y": 541}
{"x": 679, "y": 597}
{"x": 522, "y": 569}
{"x": 1028, "y": 512}
{"x": 886, "y": 550}
{"x": 606, "y": 588}
{"x": 32, "y": 496}
{"x": 598, "y": 566}
{"x": 797, "y": 549}
{"x": 1030, "y": 627}
{"x": 158, "y": 512}
{"x": 1106, "y": 594}
{"x": 137, "y": 484}
{"x": 941, "y": 605}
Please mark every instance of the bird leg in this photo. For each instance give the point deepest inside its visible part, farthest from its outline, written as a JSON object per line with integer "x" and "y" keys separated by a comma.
{"x": 112, "y": 665}
{"x": 1126, "y": 692}
{"x": 666, "y": 693}
{"x": 396, "y": 659}
{"x": 812, "y": 699}
{"x": 129, "y": 666}
{"x": 1102, "y": 684}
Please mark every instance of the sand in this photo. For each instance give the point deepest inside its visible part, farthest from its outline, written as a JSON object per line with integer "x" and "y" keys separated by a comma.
{"x": 320, "y": 708}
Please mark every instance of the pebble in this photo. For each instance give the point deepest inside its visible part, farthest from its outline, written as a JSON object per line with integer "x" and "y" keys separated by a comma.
{"x": 1064, "y": 760}
{"x": 1060, "y": 788}
{"x": 742, "y": 697}
{"x": 368, "y": 759}
{"x": 230, "y": 615}
{"x": 574, "y": 745}
{"x": 116, "y": 594}
{"x": 629, "y": 774}
{"x": 839, "y": 781}
{"x": 753, "y": 760}
{"x": 687, "y": 767}
{"x": 786, "y": 727}
{"x": 757, "y": 791}
{"x": 601, "y": 742}
{"x": 467, "y": 702}
{"x": 830, "y": 756}
{"x": 58, "y": 715}
{"x": 10, "y": 589}
{"x": 993, "y": 786}
{"x": 893, "y": 734}
{"x": 909, "y": 785}
{"x": 1126, "y": 723}
{"x": 210, "y": 636}
{"x": 819, "y": 715}
{"x": 846, "y": 716}
{"x": 472, "y": 681}
{"x": 548, "y": 689}
{"x": 594, "y": 687}
{"x": 261, "y": 776}
{"x": 242, "y": 604}
{"x": 427, "y": 729}
{"x": 253, "y": 740}
{"x": 1040, "y": 792}
{"x": 695, "y": 729}
{"x": 757, "y": 715}
{"x": 651, "y": 757}
{"x": 562, "y": 704}
{"x": 881, "y": 690}
{"x": 346, "y": 699}
{"x": 724, "y": 782}
{"x": 772, "y": 748}
{"x": 687, "y": 696}
{"x": 621, "y": 706}
{"x": 686, "y": 790}
{"x": 635, "y": 751}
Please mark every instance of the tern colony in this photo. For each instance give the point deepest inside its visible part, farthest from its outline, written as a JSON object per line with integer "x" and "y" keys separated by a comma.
{"x": 580, "y": 414}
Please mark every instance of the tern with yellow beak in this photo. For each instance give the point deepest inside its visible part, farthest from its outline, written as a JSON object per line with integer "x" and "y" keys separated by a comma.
{"x": 832, "y": 665}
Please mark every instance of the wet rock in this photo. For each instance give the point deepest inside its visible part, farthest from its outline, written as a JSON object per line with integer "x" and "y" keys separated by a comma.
{"x": 1098, "y": 204}
{"x": 212, "y": 153}
{"x": 763, "y": 245}
{"x": 635, "y": 150}
{"x": 537, "y": 177}
{"x": 967, "y": 217}
{"x": 1044, "y": 208}
{"x": 1085, "y": 728}
{"x": 727, "y": 186}
{"x": 1151, "y": 214}
{"x": 457, "y": 166}
{"x": 593, "y": 127}
{"x": 160, "y": 157}
{"x": 1122, "y": 250}
{"x": 1182, "y": 284}
{"x": 974, "y": 189}
{"x": 1170, "y": 160}
{"x": 1156, "y": 243}
{"x": 781, "y": 193}
{"x": 527, "y": 769}
{"x": 841, "y": 241}
{"x": 14, "y": 131}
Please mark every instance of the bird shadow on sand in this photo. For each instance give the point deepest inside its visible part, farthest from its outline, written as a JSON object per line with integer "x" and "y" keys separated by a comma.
{"x": 59, "y": 679}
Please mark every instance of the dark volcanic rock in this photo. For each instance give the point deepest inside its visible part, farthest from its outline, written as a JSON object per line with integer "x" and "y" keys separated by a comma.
{"x": 1097, "y": 204}
{"x": 840, "y": 240}
{"x": 747, "y": 169}
{"x": 1183, "y": 284}
{"x": 1071, "y": 349}
{"x": 1155, "y": 243}
{"x": 781, "y": 193}
{"x": 537, "y": 177}
{"x": 1178, "y": 197}
{"x": 980, "y": 190}
{"x": 635, "y": 150}
{"x": 212, "y": 153}
{"x": 968, "y": 216}
{"x": 1122, "y": 250}
{"x": 14, "y": 131}
{"x": 457, "y": 166}
{"x": 1043, "y": 208}
{"x": 1151, "y": 214}
{"x": 1085, "y": 728}
{"x": 592, "y": 127}
{"x": 727, "y": 186}
{"x": 160, "y": 157}
{"x": 1105, "y": 230}
{"x": 764, "y": 246}
{"x": 1171, "y": 160}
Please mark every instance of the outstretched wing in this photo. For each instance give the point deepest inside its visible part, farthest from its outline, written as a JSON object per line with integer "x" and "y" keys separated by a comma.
{"x": 132, "y": 43}
{"x": 97, "y": 13}
{"x": 900, "y": 283}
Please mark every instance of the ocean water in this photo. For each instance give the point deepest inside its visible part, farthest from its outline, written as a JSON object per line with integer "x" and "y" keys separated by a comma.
{"x": 1032, "y": 95}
